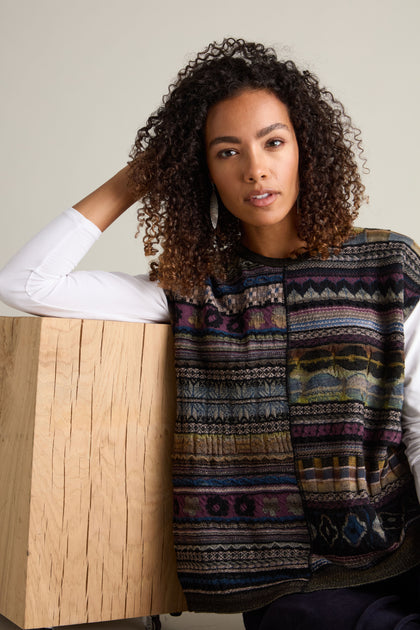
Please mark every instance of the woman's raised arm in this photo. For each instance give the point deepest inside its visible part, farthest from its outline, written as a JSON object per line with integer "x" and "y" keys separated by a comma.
{"x": 40, "y": 278}
{"x": 108, "y": 202}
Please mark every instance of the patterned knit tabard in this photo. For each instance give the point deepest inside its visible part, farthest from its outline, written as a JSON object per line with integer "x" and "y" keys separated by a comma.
{"x": 288, "y": 456}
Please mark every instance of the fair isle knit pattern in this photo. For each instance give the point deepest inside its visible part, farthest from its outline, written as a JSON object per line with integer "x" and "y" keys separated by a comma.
{"x": 288, "y": 456}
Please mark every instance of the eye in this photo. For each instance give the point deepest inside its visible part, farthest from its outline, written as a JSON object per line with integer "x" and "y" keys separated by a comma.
{"x": 226, "y": 153}
{"x": 274, "y": 143}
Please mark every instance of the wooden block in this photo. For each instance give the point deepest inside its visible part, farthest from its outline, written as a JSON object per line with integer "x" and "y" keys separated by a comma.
{"x": 86, "y": 424}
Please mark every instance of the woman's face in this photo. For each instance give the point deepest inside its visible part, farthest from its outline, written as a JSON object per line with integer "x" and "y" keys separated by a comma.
{"x": 253, "y": 159}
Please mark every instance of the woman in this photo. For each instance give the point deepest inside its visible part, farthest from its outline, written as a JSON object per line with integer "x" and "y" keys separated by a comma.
{"x": 294, "y": 500}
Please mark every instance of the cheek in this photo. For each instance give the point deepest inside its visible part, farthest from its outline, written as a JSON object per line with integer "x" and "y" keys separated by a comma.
{"x": 222, "y": 177}
{"x": 214, "y": 173}
{"x": 225, "y": 195}
{"x": 293, "y": 171}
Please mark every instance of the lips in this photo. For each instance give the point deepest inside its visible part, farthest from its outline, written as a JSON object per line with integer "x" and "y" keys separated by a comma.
{"x": 262, "y": 198}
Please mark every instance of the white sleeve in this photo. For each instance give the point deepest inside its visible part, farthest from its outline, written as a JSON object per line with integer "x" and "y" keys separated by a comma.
{"x": 411, "y": 408}
{"x": 40, "y": 279}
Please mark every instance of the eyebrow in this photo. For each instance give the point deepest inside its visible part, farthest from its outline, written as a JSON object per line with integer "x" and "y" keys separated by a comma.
{"x": 260, "y": 134}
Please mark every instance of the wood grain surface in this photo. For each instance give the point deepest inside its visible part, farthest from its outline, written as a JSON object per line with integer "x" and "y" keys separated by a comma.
{"x": 86, "y": 417}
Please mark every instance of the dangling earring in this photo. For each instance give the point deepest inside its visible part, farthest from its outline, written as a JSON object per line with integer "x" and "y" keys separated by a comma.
{"x": 214, "y": 208}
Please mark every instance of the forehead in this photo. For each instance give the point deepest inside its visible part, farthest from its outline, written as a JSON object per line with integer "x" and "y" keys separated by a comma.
{"x": 247, "y": 111}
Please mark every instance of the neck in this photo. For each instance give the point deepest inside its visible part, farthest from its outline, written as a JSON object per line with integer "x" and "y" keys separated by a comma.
{"x": 274, "y": 241}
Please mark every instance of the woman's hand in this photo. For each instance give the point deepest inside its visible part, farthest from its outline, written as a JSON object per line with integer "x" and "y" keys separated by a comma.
{"x": 107, "y": 202}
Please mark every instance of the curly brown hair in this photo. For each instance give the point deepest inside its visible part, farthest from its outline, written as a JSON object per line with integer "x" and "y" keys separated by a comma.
{"x": 169, "y": 175}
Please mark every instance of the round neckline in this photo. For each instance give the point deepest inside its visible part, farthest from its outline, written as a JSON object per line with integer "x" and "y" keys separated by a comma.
{"x": 248, "y": 254}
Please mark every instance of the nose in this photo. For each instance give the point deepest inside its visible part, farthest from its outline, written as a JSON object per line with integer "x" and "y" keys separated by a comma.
{"x": 255, "y": 168}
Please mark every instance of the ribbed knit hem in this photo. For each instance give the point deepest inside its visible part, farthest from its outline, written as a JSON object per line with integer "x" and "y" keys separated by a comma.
{"x": 406, "y": 557}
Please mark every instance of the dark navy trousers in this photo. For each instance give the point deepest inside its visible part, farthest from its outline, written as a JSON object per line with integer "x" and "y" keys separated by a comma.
{"x": 392, "y": 604}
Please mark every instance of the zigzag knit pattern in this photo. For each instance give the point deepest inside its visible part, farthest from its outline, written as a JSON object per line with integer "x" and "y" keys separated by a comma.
{"x": 288, "y": 454}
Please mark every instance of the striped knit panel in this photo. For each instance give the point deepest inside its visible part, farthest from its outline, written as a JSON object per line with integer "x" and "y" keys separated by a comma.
{"x": 239, "y": 520}
{"x": 287, "y": 452}
{"x": 345, "y": 375}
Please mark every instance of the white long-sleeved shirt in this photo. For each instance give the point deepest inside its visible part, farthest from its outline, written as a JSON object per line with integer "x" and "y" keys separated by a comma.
{"x": 40, "y": 280}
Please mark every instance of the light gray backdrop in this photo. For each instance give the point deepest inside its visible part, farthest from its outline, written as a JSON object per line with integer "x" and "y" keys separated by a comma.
{"x": 78, "y": 78}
